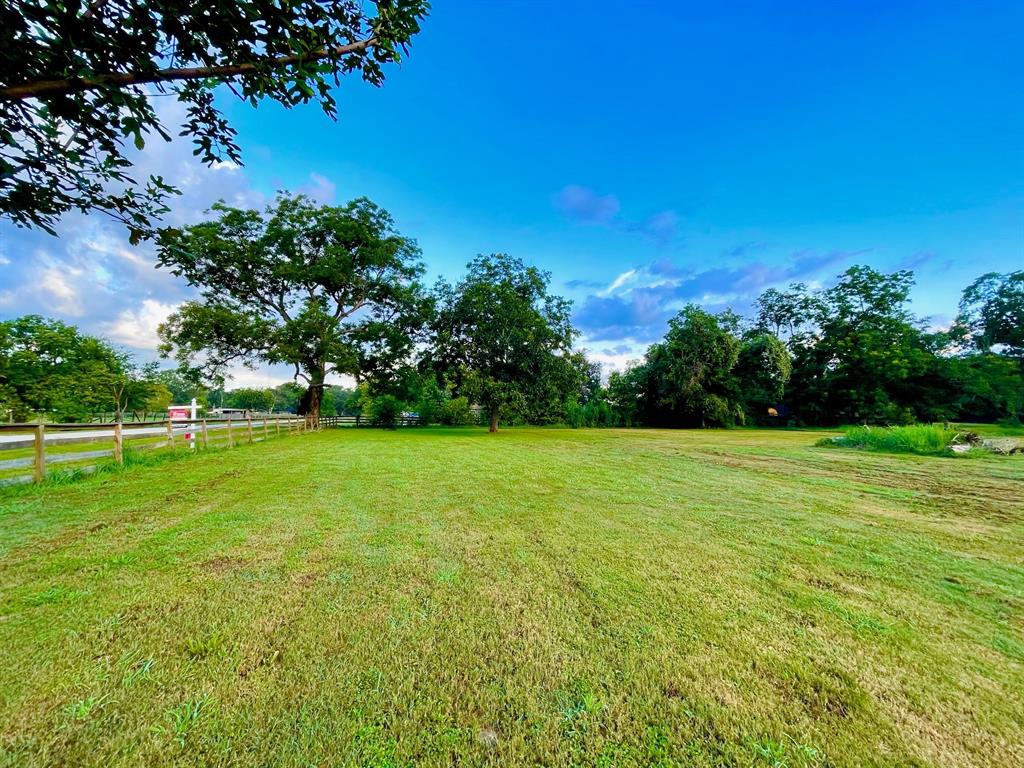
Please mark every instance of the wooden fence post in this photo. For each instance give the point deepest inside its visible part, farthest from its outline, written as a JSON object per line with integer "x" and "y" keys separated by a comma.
{"x": 170, "y": 433}
{"x": 248, "y": 427}
{"x": 266, "y": 432}
{"x": 206, "y": 436}
{"x": 230, "y": 444}
{"x": 40, "y": 446}
{"x": 118, "y": 443}
{"x": 277, "y": 425}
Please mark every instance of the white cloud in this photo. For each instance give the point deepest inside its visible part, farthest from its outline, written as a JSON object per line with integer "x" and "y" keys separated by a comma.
{"x": 320, "y": 188}
{"x": 626, "y": 277}
{"x": 137, "y": 328}
{"x": 55, "y": 286}
{"x": 272, "y": 375}
{"x": 617, "y": 360}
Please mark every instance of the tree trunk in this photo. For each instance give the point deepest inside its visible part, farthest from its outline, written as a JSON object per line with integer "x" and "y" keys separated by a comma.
{"x": 494, "y": 420}
{"x": 314, "y": 396}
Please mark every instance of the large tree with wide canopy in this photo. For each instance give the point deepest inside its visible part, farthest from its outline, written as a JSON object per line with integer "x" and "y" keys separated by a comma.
{"x": 324, "y": 289}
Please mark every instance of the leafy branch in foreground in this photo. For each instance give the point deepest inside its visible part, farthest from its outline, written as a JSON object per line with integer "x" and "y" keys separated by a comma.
{"x": 72, "y": 93}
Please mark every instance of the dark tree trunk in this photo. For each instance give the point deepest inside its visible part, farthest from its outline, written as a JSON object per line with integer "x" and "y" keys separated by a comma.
{"x": 494, "y": 420}
{"x": 316, "y": 395}
{"x": 309, "y": 406}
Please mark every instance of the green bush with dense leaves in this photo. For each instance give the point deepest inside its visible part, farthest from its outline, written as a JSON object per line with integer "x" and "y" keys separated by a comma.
{"x": 457, "y": 413}
{"x": 383, "y": 410}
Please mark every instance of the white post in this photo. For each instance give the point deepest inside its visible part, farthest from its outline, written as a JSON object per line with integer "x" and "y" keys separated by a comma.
{"x": 192, "y": 435}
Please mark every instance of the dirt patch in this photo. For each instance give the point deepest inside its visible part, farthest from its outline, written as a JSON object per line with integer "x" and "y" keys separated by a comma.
{"x": 223, "y": 477}
{"x": 222, "y": 564}
{"x": 828, "y": 585}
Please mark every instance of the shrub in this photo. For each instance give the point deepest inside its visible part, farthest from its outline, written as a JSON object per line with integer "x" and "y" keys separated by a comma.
{"x": 431, "y": 402}
{"x": 575, "y": 415}
{"x": 596, "y": 413}
{"x": 456, "y": 412}
{"x": 384, "y": 410}
{"x": 925, "y": 439}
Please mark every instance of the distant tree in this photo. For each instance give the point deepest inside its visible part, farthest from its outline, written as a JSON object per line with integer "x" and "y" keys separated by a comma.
{"x": 383, "y": 410}
{"x": 786, "y": 314}
{"x": 287, "y": 397}
{"x": 762, "y": 369}
{"x": 457, "y": 412}
{"x": 992, "y": 313}
{"x": 561, "y": 379}
{"x": 430, "y": 401}
{"x": 159, "y": 396}
{"x": 589, "y": 377}
{"x": 325, "y": 289}
{"x": 986, "y": 387}
{"x": 251, "y": 399}
{"x": 182, "y": 388}
{"x": 688, "y": 376}
{"x": 869, "y": 360}
{"x": 74, "y": 77}
{"x": 625, "y": 394}
{"x": 500, "y": 336}
{"x": 49, "y": 367}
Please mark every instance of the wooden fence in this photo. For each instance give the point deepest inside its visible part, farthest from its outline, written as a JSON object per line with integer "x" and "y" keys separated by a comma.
{"x": 37, "y": 447}
{"x": 362, "y": 421}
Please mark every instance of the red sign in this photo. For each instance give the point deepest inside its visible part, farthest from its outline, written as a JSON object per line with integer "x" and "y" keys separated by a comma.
{"x": 181, "y": 413}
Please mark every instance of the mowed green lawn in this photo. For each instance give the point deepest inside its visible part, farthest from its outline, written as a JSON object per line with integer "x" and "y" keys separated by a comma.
{"x": 538, "y": 597}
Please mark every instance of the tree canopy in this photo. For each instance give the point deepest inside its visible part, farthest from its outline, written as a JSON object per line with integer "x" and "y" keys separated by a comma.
{"x": 77, "y": 79}
{"x": 763, "y": 369}
{"x": 335, "y": 290}
{"x": 688, "y": 377}
{"x": 501, "y": 337}
{"x": 992, "y": 313}
{"x": 50, "y": 368}
{"x": 324, "y": 289}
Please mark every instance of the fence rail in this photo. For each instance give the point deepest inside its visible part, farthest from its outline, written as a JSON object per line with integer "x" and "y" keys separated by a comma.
{"x": 77, "y": 446}
{"x": 362, "y": 421}
{"x": 82, "y": 447}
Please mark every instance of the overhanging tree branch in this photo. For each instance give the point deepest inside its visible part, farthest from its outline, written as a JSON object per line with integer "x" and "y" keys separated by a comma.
{"x": 41, "y": 88}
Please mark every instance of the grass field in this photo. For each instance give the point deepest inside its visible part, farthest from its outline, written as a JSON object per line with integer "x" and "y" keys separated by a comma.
{"x": 538, "y": 597}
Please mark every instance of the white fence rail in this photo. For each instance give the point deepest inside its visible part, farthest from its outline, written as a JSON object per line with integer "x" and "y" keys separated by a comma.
{"x": 78, "y": 446}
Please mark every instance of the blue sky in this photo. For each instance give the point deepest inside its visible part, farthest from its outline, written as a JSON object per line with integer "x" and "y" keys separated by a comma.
{"x": 647, "y": 154}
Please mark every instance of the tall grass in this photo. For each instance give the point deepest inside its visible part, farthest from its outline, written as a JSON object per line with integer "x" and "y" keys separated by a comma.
{"x": 923, "y": 439}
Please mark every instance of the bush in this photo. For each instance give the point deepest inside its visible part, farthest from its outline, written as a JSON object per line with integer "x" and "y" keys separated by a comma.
{"x": 431, "y": 402}
{"x": 384, "y": 410}
{"x": 924, "y": 439}
{"x": 456, "y": 412}
{"x": 596, "y": 413}
{"x": 575, "y": 416}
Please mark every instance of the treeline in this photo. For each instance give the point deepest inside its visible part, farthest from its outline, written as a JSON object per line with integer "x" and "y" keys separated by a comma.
{"x": 851, "y": 353}
{"x": 335, "y": 290}
{"x": 50, "y": 369}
